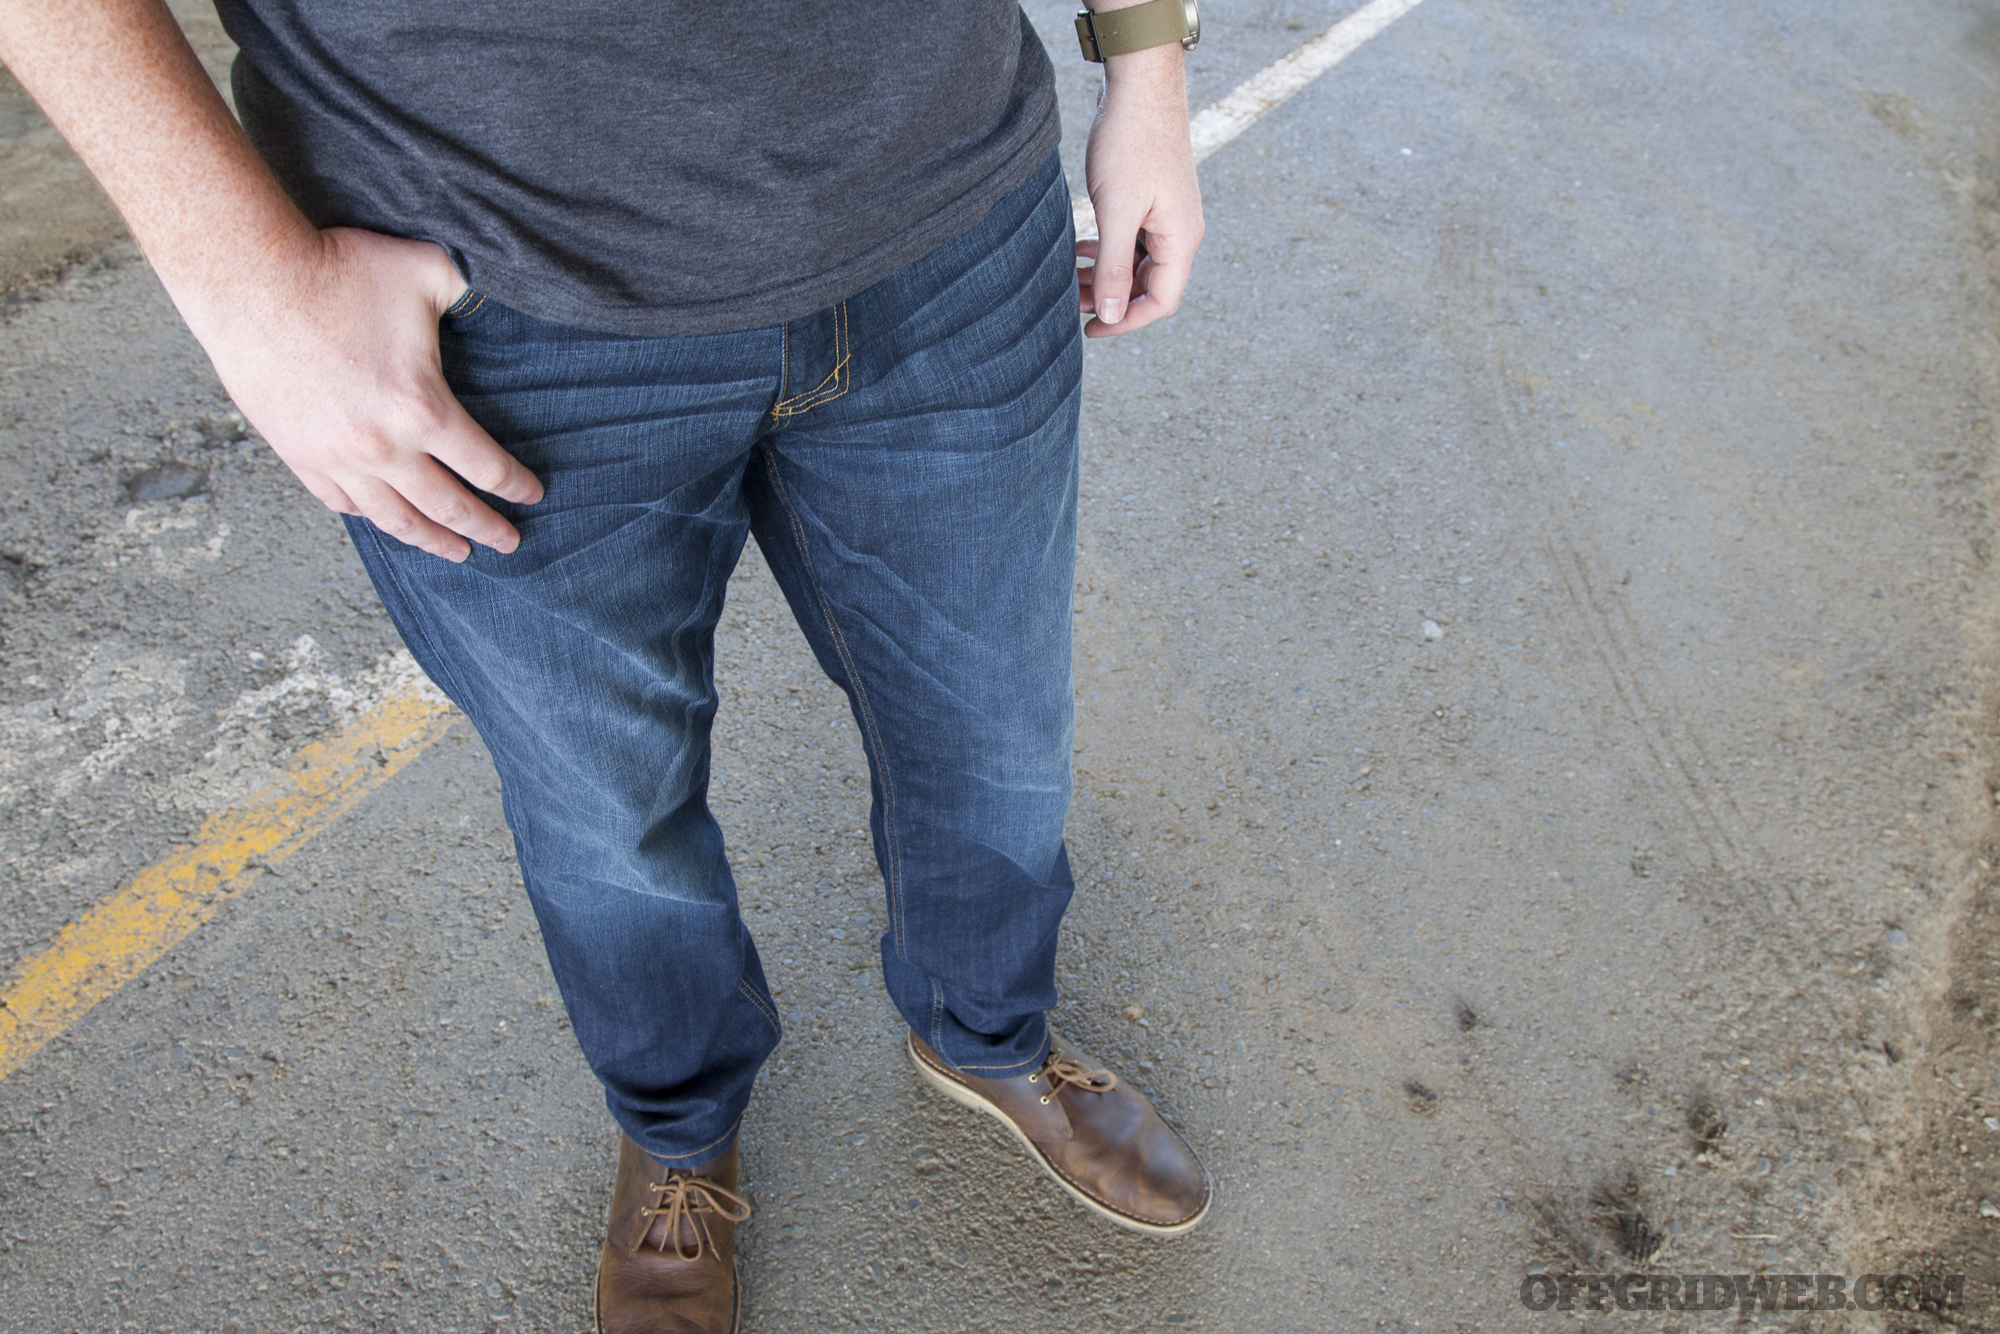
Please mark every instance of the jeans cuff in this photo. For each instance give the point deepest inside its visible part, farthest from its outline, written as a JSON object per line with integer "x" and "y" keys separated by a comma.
{"x": 982, "y": 1065}
{"x": 1006, "y": 1071}
{"x": 694, "y": 1158}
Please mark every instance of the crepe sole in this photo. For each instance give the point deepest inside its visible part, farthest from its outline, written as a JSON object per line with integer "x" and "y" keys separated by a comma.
{"x": 965, "y": 1097}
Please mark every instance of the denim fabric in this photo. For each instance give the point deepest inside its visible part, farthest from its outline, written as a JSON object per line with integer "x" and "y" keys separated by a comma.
{"x": 907, "y": 461}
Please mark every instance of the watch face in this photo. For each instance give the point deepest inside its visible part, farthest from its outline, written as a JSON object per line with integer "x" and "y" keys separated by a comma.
{"x": 1193, "y": 23}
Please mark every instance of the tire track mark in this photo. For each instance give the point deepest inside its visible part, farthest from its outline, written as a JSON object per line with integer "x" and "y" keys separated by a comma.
{"x": 1474, "y": 256}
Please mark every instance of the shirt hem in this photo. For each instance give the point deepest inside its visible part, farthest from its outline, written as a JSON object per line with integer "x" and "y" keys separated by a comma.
{"x": 794, "y": 300}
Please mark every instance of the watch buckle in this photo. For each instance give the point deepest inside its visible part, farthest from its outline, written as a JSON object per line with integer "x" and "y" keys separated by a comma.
{"x": 1086, "y": 31}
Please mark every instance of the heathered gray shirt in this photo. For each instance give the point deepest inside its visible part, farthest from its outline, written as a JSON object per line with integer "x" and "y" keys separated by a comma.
{"x": 650, "y": 166}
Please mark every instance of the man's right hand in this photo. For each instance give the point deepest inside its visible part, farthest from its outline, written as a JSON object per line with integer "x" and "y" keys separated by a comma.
{"x": 336, "y": 365}
{"x": 326, "y": 340}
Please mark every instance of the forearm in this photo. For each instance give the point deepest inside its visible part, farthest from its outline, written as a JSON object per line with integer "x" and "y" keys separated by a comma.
{"x": 121, "y": 84}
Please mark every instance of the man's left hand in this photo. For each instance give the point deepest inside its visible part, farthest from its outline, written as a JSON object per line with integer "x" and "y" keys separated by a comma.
{"x": 1140, "y": 174}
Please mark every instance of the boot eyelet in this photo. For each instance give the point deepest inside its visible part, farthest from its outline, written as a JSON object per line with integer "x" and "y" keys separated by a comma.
{"x": 1033, "y": 1078}
{"x": 1045, "y": 1100}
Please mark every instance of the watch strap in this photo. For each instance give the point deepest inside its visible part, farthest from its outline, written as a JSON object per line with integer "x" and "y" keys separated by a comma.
{"x": 1135, "y": 28}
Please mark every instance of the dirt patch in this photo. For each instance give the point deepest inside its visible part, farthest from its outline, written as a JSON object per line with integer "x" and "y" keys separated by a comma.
{"x": 1604, "y": 1228}
{"x": 1942, "y": 1216}
{"x": 1939, "y": 1220}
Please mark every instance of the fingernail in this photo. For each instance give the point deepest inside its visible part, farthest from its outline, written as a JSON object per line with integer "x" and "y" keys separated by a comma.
{"x": 1111, "y": 311}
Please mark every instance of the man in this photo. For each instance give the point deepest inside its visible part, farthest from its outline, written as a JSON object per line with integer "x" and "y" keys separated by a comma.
{"x": 559, "y": 304}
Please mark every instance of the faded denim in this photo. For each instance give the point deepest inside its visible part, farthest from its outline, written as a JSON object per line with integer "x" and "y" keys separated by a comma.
{"x": 907, "y": 461}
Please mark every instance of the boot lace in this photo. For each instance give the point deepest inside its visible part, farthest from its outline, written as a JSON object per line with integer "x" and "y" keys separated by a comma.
{"x": 1062, "y": 1072}
{"x": 691, "y": 1198}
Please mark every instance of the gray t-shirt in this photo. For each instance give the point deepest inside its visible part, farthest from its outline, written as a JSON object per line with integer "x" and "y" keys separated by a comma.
{"x": 650, "y": 167}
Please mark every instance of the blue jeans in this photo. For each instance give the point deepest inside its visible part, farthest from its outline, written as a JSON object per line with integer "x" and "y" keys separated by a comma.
{"x": 907, "y": 461}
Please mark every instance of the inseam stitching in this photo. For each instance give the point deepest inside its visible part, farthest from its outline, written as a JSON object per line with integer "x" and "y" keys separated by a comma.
{"x": 874, "y": 735}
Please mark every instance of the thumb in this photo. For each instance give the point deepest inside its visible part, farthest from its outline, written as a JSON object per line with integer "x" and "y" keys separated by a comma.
{"x": 1117, "y": 258}
{"x": 448, "y": 286}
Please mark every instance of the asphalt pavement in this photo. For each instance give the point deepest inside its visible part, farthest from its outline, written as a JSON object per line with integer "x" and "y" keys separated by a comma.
{"x": 1532, "y": 615}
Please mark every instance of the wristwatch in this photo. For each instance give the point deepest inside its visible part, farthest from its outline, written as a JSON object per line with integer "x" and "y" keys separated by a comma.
{"x": 1136, "y": 27}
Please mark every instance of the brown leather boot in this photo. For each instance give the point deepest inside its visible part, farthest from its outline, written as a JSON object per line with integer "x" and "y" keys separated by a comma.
{"x": 669, "y": 1261}
{"x": 1099, "y": 1139}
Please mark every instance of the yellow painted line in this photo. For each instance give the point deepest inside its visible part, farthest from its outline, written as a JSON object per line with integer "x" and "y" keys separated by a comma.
{"x": 117, "y": 940}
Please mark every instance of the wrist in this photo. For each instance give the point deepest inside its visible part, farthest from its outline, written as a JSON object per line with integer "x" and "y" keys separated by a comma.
{"x": 218, "y": 282}
{"x": 1164, "y": 66}
{"x": 1154, "y": 78}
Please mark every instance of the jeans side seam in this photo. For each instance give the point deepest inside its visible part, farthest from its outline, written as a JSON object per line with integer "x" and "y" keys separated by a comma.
{"x": 750, "y": 994}
{"x": 937, "y": 1016}
{"x": 873, "y": 735}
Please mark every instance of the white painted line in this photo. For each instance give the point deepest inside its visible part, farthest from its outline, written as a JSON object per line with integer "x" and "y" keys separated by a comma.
{"x": 1274, "y": 85}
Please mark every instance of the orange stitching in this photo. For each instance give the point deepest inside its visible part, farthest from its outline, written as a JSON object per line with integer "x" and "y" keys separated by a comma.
{"x": 951, "y": 1071}
{"x": 785, "y": 403}
{"x": 758, "y": 1001}
{"x": 733, "y": 1125}
{"x": 843, "y": 349}
{"x": 840, "y": 377}
{"x": 1048, "y": 1049}
{"x": 818, "y": 391}
{"x": 817, "y": 394}
{"x": 895, "y": 876}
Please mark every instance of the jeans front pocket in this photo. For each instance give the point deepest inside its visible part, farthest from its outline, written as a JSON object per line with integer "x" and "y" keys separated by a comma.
{"x": 463, "y": 309}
